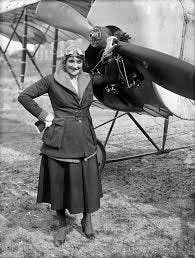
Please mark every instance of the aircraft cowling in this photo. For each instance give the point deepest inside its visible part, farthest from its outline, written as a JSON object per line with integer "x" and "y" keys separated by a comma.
{"x": 121, "y": 97}
{"x": 130, "y": 100}
{"x": 155, "y": 67}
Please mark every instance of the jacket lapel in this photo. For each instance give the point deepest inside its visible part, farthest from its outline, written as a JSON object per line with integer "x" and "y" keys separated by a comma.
{"x": 63, "y": 79}
{"x": 83, "y": 82}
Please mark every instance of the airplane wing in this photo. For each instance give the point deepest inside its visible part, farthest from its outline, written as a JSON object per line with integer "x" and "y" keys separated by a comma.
{"x": 38, "y": 31}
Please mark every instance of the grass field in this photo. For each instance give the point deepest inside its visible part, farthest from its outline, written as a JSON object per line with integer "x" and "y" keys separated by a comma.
{"x": 146, "y": 210}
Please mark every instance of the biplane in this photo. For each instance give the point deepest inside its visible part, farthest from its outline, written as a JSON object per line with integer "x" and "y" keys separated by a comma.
{"x": 156, "y": 61}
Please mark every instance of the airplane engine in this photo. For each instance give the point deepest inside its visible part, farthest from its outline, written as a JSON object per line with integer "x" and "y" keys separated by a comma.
{"x": 133, "y": 91}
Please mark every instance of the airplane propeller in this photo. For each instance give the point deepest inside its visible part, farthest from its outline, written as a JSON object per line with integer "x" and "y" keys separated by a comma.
{"x": 165, "y": 70}
{"x": 63, "y": 16}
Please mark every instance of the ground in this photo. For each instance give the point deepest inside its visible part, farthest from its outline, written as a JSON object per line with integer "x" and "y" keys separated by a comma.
{"x": 147, "y": 209}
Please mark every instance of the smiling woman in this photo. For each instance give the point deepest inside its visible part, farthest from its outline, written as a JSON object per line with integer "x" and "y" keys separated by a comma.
{"x": 69, "y": 174}
{"x": 73, "y": 61}
{"x": 73, "y": 65}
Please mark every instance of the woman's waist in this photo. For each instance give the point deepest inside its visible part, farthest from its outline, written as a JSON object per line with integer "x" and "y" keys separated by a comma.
{"x": 76, "y": 113}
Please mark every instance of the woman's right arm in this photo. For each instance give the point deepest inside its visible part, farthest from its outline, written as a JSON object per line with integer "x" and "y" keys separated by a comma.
{"x": 26, "y": 98}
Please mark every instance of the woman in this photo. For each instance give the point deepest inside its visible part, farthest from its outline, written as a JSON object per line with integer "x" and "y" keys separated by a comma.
{"x": 69, "y": 177}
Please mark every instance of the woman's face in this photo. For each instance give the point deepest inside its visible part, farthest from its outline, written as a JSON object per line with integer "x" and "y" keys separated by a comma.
{"x": 73, "y": 65}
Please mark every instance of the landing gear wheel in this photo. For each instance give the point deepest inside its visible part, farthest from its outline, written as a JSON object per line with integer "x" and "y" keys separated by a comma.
{"x": 101, "y": 156}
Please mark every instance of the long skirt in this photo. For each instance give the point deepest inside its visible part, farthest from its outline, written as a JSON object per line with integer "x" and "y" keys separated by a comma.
{"x": 72, "y": 186}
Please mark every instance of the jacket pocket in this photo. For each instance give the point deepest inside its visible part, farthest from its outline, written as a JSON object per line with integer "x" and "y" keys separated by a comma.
{"x": 52, "y": 136}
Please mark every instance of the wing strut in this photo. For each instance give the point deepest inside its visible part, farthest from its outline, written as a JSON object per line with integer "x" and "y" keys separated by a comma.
{"x": 24, "y": 48}
{"x": 166, "y": 124}
{"x": 55, "y": 49}
{"x": 4, "y": 51}
{"x": 10, "y": 67}
{"x": 111, "y": 127}
{"x": 14, "y": 30}
{"x": 143, "y": 131}
{"x": 30, "y": 56}
{"x": 25, "y": 51}
{"x": 159, "y": 150}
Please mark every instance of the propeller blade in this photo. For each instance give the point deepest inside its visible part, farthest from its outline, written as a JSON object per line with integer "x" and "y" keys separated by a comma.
{"x": 167, "y": 71}
{"x": 63, "y": 16}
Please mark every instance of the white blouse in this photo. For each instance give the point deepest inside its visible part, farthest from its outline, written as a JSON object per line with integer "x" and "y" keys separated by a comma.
{"x": 75, "y": 84}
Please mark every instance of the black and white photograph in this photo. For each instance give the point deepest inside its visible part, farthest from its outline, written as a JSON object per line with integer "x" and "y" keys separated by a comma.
{"x": 97, "y": 128}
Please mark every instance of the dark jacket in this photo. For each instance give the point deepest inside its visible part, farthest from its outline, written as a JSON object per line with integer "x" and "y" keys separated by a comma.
{"x": 71, "y": 134}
